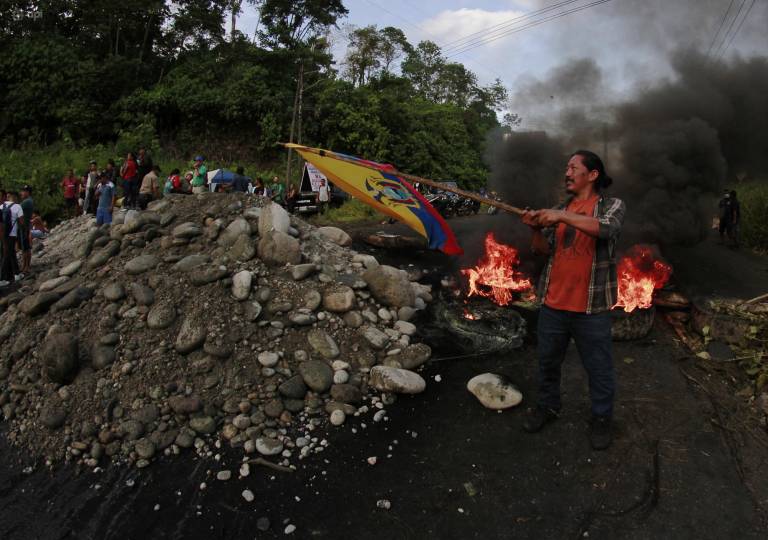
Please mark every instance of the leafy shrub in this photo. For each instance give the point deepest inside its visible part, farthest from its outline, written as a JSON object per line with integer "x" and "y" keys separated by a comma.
{"x": 753, "y": 198}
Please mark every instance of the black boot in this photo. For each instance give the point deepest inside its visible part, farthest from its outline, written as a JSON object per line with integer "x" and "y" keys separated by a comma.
{"x": 537, "y": 418}
{"x": 600, "y": 436}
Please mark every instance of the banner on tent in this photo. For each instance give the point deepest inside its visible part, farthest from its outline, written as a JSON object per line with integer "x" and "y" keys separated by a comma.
{"x": 314, "y": 175}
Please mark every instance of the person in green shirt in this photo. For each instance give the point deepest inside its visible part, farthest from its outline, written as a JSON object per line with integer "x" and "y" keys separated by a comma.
{"x": 277, "y": 190}
{"x": 199, "y": 179}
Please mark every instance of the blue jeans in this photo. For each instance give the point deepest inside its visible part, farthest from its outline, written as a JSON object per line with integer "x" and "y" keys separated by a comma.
{"x": 103, "y": 215}
{"x": 592, "y": 334}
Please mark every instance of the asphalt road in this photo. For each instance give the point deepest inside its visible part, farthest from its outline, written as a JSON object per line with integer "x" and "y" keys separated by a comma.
{"x": 450, "y": 468}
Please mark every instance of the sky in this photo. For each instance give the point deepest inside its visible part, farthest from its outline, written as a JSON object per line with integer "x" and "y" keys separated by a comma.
{"x": 630, "y": 40}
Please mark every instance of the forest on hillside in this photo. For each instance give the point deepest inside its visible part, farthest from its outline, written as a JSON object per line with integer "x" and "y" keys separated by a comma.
{"x": 181, "y": 78}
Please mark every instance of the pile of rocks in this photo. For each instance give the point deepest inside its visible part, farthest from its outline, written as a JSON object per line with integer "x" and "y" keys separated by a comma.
{"x": 205, "y": 320}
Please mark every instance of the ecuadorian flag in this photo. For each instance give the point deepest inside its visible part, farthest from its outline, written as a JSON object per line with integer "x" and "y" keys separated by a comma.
{"x": 376, "y": 184}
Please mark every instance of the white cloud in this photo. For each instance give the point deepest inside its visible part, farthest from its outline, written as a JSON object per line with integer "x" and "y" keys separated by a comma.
{"x": 450, "y": 26}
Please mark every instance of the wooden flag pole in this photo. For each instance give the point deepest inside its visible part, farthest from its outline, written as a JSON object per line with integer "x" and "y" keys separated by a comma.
{"x": 412, "y": 178}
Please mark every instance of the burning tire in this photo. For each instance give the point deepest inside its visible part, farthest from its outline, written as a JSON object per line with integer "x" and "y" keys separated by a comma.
{"x": 635, "y": 324}
{"x": 482, "y": 328}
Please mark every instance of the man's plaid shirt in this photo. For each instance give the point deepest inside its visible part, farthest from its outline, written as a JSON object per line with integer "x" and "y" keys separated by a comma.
{"x": 602, "y": 285}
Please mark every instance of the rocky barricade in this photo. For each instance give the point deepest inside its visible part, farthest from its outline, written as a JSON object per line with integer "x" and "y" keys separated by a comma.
{"x": 205, "y": 320}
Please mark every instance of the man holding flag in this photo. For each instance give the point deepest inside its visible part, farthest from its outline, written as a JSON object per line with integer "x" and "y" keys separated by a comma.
{"x": 577, "y": 290}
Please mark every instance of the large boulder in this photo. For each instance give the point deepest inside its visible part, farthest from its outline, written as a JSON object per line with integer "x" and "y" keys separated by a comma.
{"x": 390, "y": 286}
{"x": 241, "y": 285}
{"x": 113, "y": 292}
{"x": 61, "y": 357}
{"x": 187, "y": 230}
{"x": 375, "y": 337}
{"x": 273, "y": 217}
{"x": 71, "y": 269}
{"x": 190, "y": 262}
{"x": 51, "y": 284}
{"x": 396, "y": 380}
{"x": 73, "y": 298}
{"x": 207, "y": 274}
{"x": 102, "y": 356}
{"x": 339, "y": 299}
{"x": 161, "y": 316}
{"x": 317, "y": 375}
{"x": 36, "y": 304}
{"x": 413, "y": 355}
{"x": 143, "y": 295}
{"x": 100, "y": 258}
{"x": 141, "y": 264}
{"x": 278, "y": 248}
{"x": 322, "y": 343}
{"x": 191, "y": 335}
{"x": 243, "y": 248}
{"x": 335, "y": 235}
{"x": 293, "y": 388}
{"x": 234, "y": 230}
{"x": 494, "y": 391}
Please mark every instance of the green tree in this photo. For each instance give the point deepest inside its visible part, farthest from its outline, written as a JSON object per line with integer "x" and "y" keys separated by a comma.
{"x": 289, "y": 23}
{"x": 422, "y": 67}
{"x": 362, "y": 59}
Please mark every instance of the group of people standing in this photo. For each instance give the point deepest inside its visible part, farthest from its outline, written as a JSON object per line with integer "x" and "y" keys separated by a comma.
{"x": 19, "y": 219}
{"x": 139, "y": 179}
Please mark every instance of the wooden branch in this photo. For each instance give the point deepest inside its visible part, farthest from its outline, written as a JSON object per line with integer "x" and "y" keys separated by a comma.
{"x": 271, "y": 465}
{"x": 756, "y": 299}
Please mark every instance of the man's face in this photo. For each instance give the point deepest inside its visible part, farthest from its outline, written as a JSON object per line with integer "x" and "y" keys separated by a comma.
{"x": 93, "y": 166}
{"x": 577, "y": 177}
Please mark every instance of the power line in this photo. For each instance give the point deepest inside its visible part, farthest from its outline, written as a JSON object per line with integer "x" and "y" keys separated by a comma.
{"x": 508, "y": 22}
{"x": 720, "y": 27}
{"x": 730, "y": 27}
{"x": 529, "y": 25}
{"x": 491, "y": 38}
{"x": 733, "y": 36}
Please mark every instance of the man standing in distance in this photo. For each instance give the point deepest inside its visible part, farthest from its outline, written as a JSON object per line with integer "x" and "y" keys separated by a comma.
{"x": 129, "y": 172}
{"x": 577, "y": 290}
{"x": 89, "y": 181}
{"x": 70, "y": 184}
{"x": 105, "y": 191}
{"x": 323, "y": 196}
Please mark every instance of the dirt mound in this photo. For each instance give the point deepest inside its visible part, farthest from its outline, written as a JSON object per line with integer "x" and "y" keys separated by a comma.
{"x": 215, "y": 317}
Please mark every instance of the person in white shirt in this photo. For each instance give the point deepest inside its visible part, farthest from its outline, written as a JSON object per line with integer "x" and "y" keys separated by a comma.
{"x": 10, "y": 265}
{"x": 323, "y": 196}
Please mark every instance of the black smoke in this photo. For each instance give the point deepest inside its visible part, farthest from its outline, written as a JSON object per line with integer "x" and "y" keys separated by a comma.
{"x": 671, "y": 148}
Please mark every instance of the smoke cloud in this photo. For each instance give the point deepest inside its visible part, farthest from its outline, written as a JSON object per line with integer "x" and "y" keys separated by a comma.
{"x": 671, "y": 147}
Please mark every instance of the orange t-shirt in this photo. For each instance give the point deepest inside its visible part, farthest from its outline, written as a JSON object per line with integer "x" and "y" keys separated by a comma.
{"x": 572, "y": 263}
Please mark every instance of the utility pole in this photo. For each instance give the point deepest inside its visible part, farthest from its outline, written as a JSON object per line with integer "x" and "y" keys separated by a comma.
{"x": 297, "y": 101}
{"x": 235, "y": 10}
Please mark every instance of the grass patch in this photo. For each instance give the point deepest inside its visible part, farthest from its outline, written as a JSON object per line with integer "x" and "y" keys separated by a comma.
{"x": 350, "y": 211}
{"x": 753, "y": 198}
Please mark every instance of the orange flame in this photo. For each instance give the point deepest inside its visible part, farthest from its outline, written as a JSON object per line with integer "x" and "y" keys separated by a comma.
{"x": 640, "y": 274}
{"x": 495, "y": 275}
{"x": 469, "y": 315}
